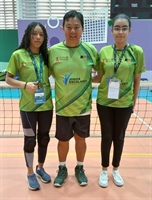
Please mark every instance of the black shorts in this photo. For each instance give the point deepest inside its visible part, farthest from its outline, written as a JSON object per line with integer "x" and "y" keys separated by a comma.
{"x": 67, "y": 126}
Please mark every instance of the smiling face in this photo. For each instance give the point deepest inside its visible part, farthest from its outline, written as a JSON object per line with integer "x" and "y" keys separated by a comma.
{"x": 73, "y": 30}
{"x": 37, "y": 38}
{"x": 120, "y": 32}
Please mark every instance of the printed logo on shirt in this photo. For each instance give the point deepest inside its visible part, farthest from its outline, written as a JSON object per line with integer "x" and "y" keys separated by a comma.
{"x": 66, "y": 78}
{"x": 108, "y": 59}
{"x": 61, "y": 58}
{"x": 76, "y": 81}
{"x": 128, "y": 59}
{"x": 25, "y": 64}
{"x": 83, "y": 56}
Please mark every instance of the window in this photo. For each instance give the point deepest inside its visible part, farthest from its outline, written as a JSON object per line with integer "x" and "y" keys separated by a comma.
{"x": 11, "y": 10}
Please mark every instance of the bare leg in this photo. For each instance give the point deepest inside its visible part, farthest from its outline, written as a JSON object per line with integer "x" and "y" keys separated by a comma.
{"x": 63, "y": 149}
{"x": 80, "y": 148}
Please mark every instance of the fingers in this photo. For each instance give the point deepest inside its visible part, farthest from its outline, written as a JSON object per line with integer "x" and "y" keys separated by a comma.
{"x": 31, "y": 87}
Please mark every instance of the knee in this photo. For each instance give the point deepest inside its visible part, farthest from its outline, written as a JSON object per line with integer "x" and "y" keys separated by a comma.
{"x": 29, "y": 144}
{"x": 78, "y": 138}
{"x": 43, "y": 139}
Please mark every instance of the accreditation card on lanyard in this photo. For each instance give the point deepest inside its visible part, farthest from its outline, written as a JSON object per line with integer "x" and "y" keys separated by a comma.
{"x": 39, "y": 94}
{"x": 114, "y": 88}
{"x": 114, "y": 83}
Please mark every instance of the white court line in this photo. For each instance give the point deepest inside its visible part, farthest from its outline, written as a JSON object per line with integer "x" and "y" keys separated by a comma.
{"x": 143, "y": 121}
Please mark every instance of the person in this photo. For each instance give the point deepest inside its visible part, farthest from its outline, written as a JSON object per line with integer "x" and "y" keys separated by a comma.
{"x": 72, "y": 61}
{"x": 30, "y": 61}
{"x": 120, "y": 68}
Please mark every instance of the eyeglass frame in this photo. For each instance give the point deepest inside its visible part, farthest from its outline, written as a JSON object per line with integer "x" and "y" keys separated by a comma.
{"x": 123, "y": 29}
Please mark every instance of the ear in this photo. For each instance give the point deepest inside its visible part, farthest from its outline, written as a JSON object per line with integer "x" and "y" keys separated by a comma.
{"x": 130, "y": 30}
{"x": 61, "y": 27}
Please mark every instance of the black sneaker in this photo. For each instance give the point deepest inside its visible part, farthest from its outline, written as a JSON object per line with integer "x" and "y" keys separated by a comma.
{"x": 80, "y": 175}
{"x": 62, "y": 175}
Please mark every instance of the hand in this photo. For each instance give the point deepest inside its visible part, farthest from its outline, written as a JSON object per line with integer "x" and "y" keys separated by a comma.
{"x": 31, "y": 87}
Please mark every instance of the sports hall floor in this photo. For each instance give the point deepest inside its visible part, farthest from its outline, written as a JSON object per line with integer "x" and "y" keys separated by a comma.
{"x": 136, "y": 170}
{"x": 136, "y": 163}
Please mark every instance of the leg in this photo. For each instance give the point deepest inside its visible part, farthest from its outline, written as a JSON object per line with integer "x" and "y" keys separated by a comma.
{"x": 82, "y": 130}
{"x": 122, "y": 116}
{"x": 44, "y": 124}
{"x": 80, "y": 147}
{"x": 29, "y": 120}
{"x": 107, "y": 125}
{"x": 63, "y": 149}
{"x": 63, "y": 133}
{"x": 106, "y": 122}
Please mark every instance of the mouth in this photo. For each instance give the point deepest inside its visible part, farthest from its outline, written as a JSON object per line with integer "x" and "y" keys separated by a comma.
{"x": 72, "y": 36}
{"x": 38, "y": 42}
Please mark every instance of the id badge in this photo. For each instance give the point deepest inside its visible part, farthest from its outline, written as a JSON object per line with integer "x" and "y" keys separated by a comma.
{"x": 113, "y": 89}
{"x": 39, "y": 96}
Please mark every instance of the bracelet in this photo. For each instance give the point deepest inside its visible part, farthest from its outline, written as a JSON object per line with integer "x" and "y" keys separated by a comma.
{"x": 25, "y": 85}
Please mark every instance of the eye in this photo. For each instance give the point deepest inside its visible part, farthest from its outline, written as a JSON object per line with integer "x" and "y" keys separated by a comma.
{"x": 124, "y": 29}
{"x": 117, "y": 29}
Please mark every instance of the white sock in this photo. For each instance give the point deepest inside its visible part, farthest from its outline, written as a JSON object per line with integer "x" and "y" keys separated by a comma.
{"x": 79, "y": 163}
{"x": 62, "y": 163}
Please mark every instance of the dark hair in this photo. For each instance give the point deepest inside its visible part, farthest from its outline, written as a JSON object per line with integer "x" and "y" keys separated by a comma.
{"x": 73, "y": 14}
{"x": 121, "y": 16}
{"x": 25, "y": 43}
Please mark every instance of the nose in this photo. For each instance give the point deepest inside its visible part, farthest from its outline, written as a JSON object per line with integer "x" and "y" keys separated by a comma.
{"x": 38, "y": 35}
{"x": 73, "y": 30}
{"x": 120, "y": 31}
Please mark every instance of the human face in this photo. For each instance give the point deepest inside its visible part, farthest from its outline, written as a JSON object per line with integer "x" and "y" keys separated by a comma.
{"x": 73, "y": 31}
{"x": 36, "y": 40}
{"x": 120, "y": 32}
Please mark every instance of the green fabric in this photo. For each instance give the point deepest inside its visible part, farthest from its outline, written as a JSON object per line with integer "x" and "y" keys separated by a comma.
{"x": 132, "y": 63}
{"x": 21, "y": 63}
{"x": 72, "y": 72}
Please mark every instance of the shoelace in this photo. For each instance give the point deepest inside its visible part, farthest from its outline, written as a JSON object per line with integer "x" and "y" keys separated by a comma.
{"x": 32, "y": 177}
{"x": 61, "y": 172}
{"x": 117, "y": 176}
{"x": 104, "y": 177}
{"x": 80, "y": 171}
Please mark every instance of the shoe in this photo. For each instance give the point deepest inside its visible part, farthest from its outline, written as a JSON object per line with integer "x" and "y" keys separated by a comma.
{"x": 33, "y": 184}
{"x": 62, "y": 175}
{"x": 80, "y": 175}
{"x": 117, "y": 178}
{"x": 45, "y": 178}
{"x": 103, "y": 179}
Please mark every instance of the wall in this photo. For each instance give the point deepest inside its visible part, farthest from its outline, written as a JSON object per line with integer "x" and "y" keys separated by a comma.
{"x": 141, "y": 35}
{"x": 8, "y": 42}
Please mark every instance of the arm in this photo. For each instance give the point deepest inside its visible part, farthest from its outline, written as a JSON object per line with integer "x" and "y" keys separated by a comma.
{"x": 29, "y": 86}
{"x": 97, "y": 78}
{"x": 136, "y": 87}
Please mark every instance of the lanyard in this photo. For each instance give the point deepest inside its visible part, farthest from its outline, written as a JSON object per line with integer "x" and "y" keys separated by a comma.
{"x": 37, "y": 70}
{"x": 116, "y": 65}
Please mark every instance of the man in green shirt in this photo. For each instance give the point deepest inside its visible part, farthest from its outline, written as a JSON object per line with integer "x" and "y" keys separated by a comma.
{"x": 71, "y": 62}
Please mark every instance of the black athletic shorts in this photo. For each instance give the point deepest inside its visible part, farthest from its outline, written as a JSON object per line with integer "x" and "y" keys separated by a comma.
{"x": 67, "y": 126}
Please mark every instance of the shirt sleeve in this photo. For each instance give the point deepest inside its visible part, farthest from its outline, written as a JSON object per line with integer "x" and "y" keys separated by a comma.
{"x": 140, "y": 66}
{"x": 12, "y": 67}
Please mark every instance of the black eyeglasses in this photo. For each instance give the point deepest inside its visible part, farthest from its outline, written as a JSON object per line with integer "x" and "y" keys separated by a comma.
{"x": 118, "y": 29}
